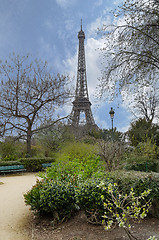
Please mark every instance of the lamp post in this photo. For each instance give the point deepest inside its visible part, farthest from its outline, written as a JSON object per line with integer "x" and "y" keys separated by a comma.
{"x": 112, "y": 115}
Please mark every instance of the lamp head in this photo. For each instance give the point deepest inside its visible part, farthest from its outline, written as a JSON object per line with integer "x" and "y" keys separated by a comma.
{"x": 111, "y": 113}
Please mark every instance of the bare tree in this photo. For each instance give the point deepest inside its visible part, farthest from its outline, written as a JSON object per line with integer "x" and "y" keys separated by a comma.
{"x": 131, "y": 46}
{"x": 29, "y": 96}
{"x": 111, "y": 152}
{"x": 146, "y": 105}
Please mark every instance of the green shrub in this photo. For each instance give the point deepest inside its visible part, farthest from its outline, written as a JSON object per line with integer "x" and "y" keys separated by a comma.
{"x": 74, "y": 161}
{"x": 88, "y": 196}
{"x": 75, "y": 169}
{"x": 12, "y": 149}
{"x": 76, "y": 150}
{"x": 52, "y": 197}
{"x": 9, "y": 163}
{"x": 89, "y": 192}
{"x": 139, "y": 182}
{"x": 144, "y": 167}
{"x": 10, "y": 158}
{"x": 144, "y": 157}
{"x": 148, "y": 149}
{"x": 61, "y": 198}
{"x": 7, "y": 149}
{"x": 34, "y": 164}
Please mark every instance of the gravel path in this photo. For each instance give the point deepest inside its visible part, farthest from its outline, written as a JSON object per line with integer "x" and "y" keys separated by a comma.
{"x": 15, "y": 217}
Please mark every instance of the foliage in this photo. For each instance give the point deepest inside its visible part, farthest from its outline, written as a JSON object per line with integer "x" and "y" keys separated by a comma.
{"x": 148, "y": 149}
{"x": 141, "y": 130}
{"x": 89, "y": 192}
{"x": 34, "y": 164}
{"x": 11, "y": 149}
{"x": 76, "y": 169}
{"x": 108, "y": 134}
{"x": 54, "y": 198}
{"x": 152, "y": 238}
{"x": 62, "y": 197}
{"x": 120, "y": 208}
{"x": 10, "y": 158}
{"x": 75, "y": 160}
{"x": 72, "y": 150}
{"x": 139, "y": 182}
{"x": 9, "y": 163}
{"x": 7, "y": 148}
{"x": 88, "y": 196}
{"x": 144, "y": 157}
{"x": 144, "y": 167}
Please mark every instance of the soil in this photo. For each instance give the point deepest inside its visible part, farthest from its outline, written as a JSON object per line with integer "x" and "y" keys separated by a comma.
{"x": 17, "y": 222}
{"x": 79, "y": 229}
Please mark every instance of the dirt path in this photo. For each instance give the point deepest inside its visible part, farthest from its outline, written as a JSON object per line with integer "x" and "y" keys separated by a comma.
{"x": 15, "y": 217}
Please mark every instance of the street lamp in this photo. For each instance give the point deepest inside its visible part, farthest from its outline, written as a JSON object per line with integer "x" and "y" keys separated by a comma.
{"x": 112, "y": 115}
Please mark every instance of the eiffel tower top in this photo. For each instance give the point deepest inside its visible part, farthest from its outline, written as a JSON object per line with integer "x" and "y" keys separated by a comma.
{"x": 81, "y": 34}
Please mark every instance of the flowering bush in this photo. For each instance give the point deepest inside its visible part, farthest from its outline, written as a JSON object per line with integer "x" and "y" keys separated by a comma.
{"x": 120, "y": 208}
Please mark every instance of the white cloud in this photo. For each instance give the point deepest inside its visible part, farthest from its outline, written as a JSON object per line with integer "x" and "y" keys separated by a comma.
{"x": 98, "y": 24}
{"x": 93, "y": 62}
{"x": 65, "y": 3}
{"x": 98, "y": 3}
{"x": 124, "y": 129}
{"x": 117, "y": 2}
{"x": 100, "y": 123}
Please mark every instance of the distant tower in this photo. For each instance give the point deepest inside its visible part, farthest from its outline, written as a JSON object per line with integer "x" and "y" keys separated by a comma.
{"x": 81, "y": 104}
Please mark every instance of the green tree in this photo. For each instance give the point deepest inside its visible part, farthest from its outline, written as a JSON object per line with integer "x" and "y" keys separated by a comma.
{"x": 142, "y": 129}
{"x": 108, "y": 134}
{"x": 30, "y": 95}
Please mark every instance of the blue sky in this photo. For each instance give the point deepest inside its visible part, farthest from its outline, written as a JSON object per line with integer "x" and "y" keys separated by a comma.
{"x": 47, "y": 29}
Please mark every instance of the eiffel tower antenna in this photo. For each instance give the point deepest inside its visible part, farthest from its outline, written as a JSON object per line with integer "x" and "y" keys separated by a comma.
{"x": 81, "y": 104}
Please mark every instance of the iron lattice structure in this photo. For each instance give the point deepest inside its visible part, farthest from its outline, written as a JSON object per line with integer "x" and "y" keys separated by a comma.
{"x": 81, "y": 104}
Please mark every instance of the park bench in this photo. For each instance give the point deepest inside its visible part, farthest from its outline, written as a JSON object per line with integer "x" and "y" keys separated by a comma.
{"x": 14, "y": 168}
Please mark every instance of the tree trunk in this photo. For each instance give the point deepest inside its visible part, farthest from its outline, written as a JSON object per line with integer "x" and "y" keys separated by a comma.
{"x": 29, "y": 135}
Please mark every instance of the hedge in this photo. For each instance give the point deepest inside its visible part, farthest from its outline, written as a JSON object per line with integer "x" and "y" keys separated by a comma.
{"x": 31, "y": 164}
{"x": 144, "y": 167}
{"x": 35, "y": 164}
{"x": 9, "y": 163}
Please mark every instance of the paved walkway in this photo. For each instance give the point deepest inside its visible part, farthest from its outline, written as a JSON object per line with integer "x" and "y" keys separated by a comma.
{"x": 15, "y": 216}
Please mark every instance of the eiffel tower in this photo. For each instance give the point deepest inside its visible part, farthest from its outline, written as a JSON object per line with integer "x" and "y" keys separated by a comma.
{"x": 81, "y": 104}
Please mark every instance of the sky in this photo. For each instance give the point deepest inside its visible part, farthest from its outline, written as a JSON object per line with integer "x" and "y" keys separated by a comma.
{"x": 48, "y": 29}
